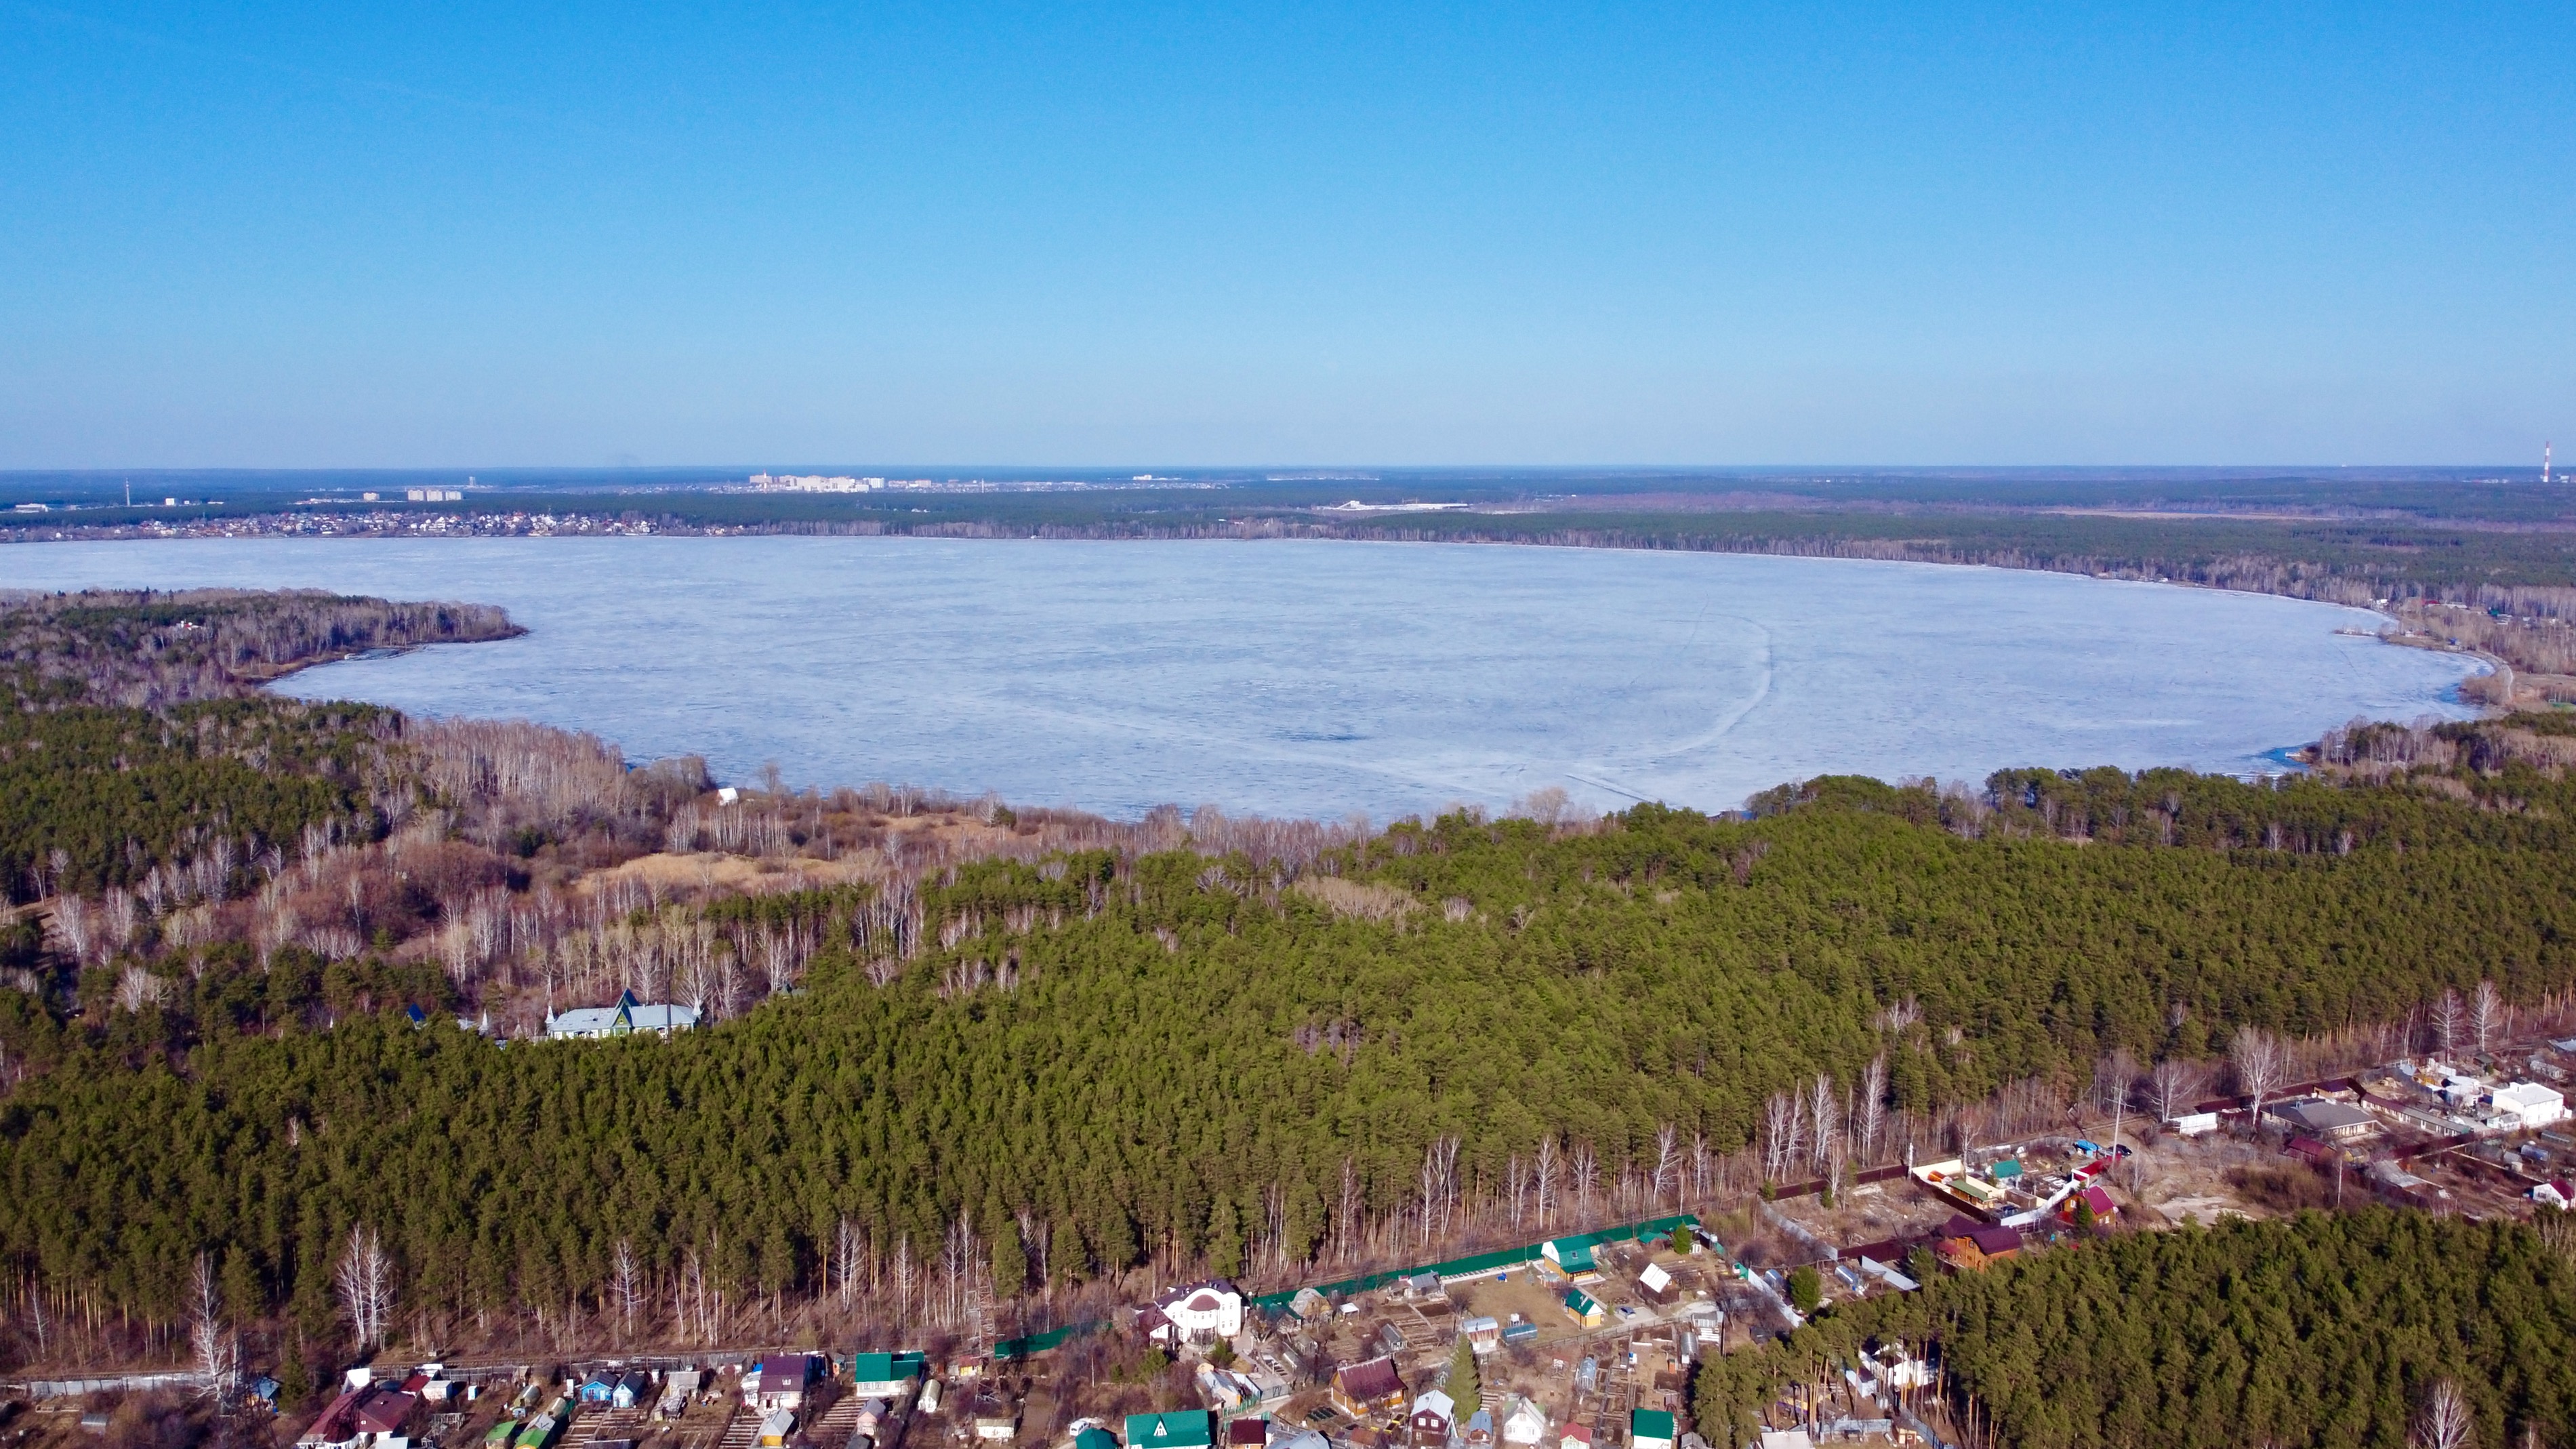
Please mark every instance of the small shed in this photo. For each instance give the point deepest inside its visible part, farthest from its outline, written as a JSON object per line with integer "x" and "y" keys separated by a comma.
{"x": 1657, "y": 1285}
{"x": 1484, "y": 1335}
{"x": 775, "y": 1426}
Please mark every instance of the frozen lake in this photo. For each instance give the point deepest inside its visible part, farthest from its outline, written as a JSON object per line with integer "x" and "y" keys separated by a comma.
{"x": 1317, "y": 678}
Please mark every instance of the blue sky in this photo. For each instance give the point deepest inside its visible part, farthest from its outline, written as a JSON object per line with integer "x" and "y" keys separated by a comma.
{"x": 581, "y": 234}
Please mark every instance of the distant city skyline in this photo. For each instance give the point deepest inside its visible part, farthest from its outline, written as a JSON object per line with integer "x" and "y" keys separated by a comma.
{"x": 266, "y": 237}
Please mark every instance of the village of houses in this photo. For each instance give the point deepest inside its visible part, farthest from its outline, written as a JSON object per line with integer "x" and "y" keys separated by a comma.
{"x": 1578, "y": 1342}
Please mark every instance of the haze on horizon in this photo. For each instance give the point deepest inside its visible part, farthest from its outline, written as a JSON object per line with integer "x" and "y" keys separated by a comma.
{"x": 274, "y": 236}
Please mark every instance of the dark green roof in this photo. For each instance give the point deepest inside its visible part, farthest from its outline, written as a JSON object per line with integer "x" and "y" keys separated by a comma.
{"x": 1095, "y": 1437}
{"x": 1581, "y": 1302}
{"x": 1574, "y": 1255}
{"x": 880, "y": 1368}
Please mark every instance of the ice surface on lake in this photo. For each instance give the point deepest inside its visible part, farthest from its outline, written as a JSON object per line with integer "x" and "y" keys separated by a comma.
{"x": 1314, "y": 678}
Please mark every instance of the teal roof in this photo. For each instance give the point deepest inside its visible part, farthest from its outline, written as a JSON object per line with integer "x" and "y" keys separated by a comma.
{"x": 1650, "y": 1424}
{"x": 1581, "y": 1302}
{"x": 879, "y": 1368}
{"x": 1574, "y": 1255}
{"x": 1186, "y": 1429}
{"x": 2009, "y": 1167}
{"x": 1095, "y": 1437}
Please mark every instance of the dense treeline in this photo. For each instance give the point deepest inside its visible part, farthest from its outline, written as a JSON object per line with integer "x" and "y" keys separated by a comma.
{"x": 2316, "y": 1330}
{"x": 142, "y": 650}
{"x": 1173, "y": 1053}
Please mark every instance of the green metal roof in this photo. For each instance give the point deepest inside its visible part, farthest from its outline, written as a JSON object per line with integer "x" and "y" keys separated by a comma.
{"x": 879, "y": 1368}
{"x": 1095, "y": 1437}
{"x": 1650, "y": 1424}
{"x": 1574, "y": 1255}
{"x": 1187, "y": 1429}
{"x": 1581, "y": 1302}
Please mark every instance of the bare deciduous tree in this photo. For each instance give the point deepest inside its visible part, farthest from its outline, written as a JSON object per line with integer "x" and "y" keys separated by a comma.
{"x": 2447, "y": 1017}
{"x": 1783, "y": 1133}
{"x": 2174, "y": 1084}
{"x": 1824, "y": 1122}
{"x": 627, "y": 1283}
{"x": 2486, "y": 1014}
{"x": 217, "y": 1351}
{"x": 2444, "y": 1421}
{"x": 365, "y": 1282}
{"x": 1873, "y": 1106}
{"x": 2260, "y": 1060}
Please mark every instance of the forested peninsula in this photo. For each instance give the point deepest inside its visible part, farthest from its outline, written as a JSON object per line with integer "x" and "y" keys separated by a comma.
{"x": 277, "y": 969}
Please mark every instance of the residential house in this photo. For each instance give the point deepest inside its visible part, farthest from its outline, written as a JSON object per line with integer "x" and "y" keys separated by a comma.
{"x": 1526, "y": 1424}
{"x": 1197, "y": 1313}
{"x": 1364, "y": 1390}
{"x": 2560, "y": 1194}
{"x": 627, "y": 1016}
{"x": 1484, "y": 1335}
{"x": 1427, "y": 1423}
{"x": 1310, "y": 1306}
{"x": 336, "y": 1427}
{"x": 1584, "y": 1309}
{"x": 1479, "y": 1433}
{"x": 2326, "y": 1120}
{"x": 1651, "y": 1429}
{"x": 1088, "y": 1435}
{"x": 1248, "y": 1432}
{"x": 1966, "y": 1245}
{"x": 781, "y": 1381}
{"x": 1570, "y": 1255}
{"x": 1182, "y": 1429}
{"x": 600, "y": 1387}
{"x": 385, "y": 1413}
{"x": 2093, "y": 1197}
{"x": 1422, "y": 1285}
{"x": 633, "y": 1388}
{"x": 889, "y": 1376}
{"x": 1576, "y": 1436}
{"x": 364, "y": 1413}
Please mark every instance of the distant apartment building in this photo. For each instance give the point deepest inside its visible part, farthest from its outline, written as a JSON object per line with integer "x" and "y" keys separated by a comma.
{"x": 814, "y": 483}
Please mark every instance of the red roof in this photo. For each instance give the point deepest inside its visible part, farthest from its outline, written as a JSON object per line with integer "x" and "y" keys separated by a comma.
{"x": 1374, "y": 1379}
{"x": 332, "y": 1425}
{"x": 385, "y": 1412}
{"x": 1247, "y": 1431}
